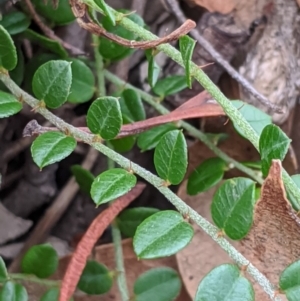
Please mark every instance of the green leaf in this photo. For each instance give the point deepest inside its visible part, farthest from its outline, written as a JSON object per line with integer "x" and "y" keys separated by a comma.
{"x": 52, "y": 295}
{"x": 149, "y": 139}
{"x": 83, "y": 82}
{"x": 225, "y": 282}
{"x": 113, "y": 51}
{"x": 273, "y": 144}
{"x": 170, "y": 157}
{"x": 83, "y": 177}
{"x": 162, "y": 234}
{"x": 255, "y": 117}
{"x": 186, "y": 46}
{"x": 13, "y": 292}
{"x": 290, "y": 196}
{"x": 159, "y": 284}
{"x": 51, "y": 147}
{"x": 289, "y": 281}
{"x": 8, "y": 52}
{"x": 40, "y": 260}
{"x": 124, "y": 144}
{"x": 61, "y": 15}
{"x": 153, "y": 68}
{"x": 107, "y": 11}
{"x": 232, "y": 207}
{"x": 9, "y": 105}
{"x": 131, "y": 106}
{"x": 208, "y": 174}
{"x": 170, "y": 85}
{"x": 129, "y": 219}
{"x": 95, "y": 279}
{"x": 112, "y": 184}
{"x": 3, "y": 271}
{"x": 104, "y": 117}
{"x": 46, "y": 43}
{"x": 52, "y": 82}
{"x": 15, "y": 22}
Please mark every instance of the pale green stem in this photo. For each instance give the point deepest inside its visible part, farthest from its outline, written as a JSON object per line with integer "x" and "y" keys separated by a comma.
{"x": 32, "y": 278}
{"x": 101, "y": 91}
{"x": 121, "y": 275}
{"x": 157, "y": 182}
{"x": 191, "y": 129}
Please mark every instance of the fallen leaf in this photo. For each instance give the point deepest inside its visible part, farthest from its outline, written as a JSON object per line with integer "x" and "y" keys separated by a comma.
{"x": 220, "y": 6}
{"x": 274, "y": 239}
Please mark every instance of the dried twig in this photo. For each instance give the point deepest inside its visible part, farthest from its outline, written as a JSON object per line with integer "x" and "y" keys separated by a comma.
{"x": 86, "y": 244}
{"x": 176, "y": 10}
{"x": 48, "y": 32}
{"x": 84, "y": 20}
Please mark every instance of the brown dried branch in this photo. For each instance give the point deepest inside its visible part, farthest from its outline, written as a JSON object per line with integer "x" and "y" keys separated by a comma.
{"x": 86, "y": 244}
{"x": 48, "y": 32}
{"x": 84, "y": 20}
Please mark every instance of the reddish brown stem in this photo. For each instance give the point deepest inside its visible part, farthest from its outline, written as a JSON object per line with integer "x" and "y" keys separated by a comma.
{"x": 86, "y": 244}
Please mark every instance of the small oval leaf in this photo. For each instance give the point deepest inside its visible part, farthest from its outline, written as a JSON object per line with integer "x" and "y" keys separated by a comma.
{"x": 83, "y": 82}
{"x": 60, "y": 15}
{"x": 95, "y": 279}
{"x": 159, "y": 284}
{"x": 149, "y": 139}
{"x": 3, "y": 271}
{"x": 40, "y": 260}
{"x": 225, "y": 283}
{"x": 153, "y": 68}
{"x": 273, "y": 144}
{"x": 162, "y": 234}
{"x": 112, "y": 184}
{"x": 8, "y": 52}
{"x": 15, "y": 22}
{"x": 289, "y": 281}
{"x": 254, "y": 116}
{"x": 131, "y": 106}
{"x": 51, "y": 147}
{"x": 83, "y": 177}
{"x": 9, "y": 105}
{"x": 13, "y": 292}
{"x": 186, "y": 46}
{"x": 170, "y": 85}
{"x": 170, "y": 157}
{"x": 129, "y": 219}
{"x": 209, "y": 173}
{"x": 104, "y": 117}
{"x": 232, "y": 207}
{"x": 52, "y": 82}
{"x": 124, "y": 144}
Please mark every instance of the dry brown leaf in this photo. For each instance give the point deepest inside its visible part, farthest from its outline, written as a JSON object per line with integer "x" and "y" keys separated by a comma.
{"x": 105, "y": 254}
{"x": 220, "y": 6}
{"x": 274, "y": 239}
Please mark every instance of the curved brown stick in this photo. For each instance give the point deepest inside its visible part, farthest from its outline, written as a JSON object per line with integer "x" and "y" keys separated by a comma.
{"x": 86, "y": 244}
{"x": 84, "y": 20}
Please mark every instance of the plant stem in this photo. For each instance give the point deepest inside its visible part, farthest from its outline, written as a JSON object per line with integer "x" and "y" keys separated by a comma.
{"x": 209, "y": 86}
{"x": 157, "y": 182}
{"x": 101, "y": 90}
{"x": 32, "y": 278}
{"x": 191, "y": 129}
{"x": 121, "y": 275}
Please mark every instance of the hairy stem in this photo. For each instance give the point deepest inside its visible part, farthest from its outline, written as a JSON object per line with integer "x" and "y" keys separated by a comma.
{"x": 32, "y": 278}
{"x": 157, "y": 182}
{"x": 191, "y": 129}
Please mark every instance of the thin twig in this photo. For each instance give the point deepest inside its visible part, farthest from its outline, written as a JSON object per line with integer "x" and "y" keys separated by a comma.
{"x": 48, "y": 32}
{"x": 157, "y": 182}
{"x": 176, "y": 10}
